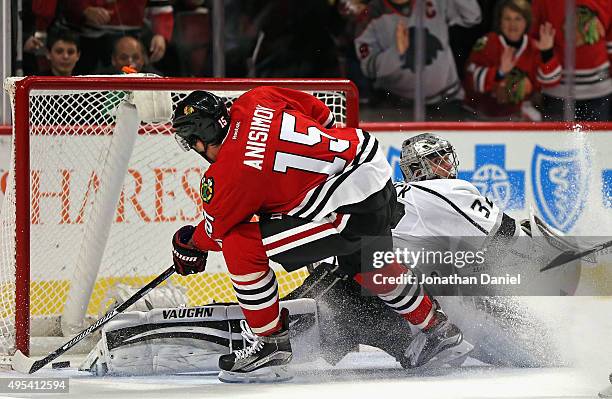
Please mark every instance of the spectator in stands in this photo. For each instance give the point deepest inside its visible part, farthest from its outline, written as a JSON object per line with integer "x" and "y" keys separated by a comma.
{"x": 128, "y": 56}
{"x": 101, "y": 22}
{"x": 35, "y": 44}
{"x": 506, "y": 66}
{"x": 240, "y": 38}
{"x": 63, "y": 52}
{"x": 187, "y": 54}
{"x": 36, "y": 17}
{"x": 387, "y": 52}
{"x": 592, "y": 83}
{"x": 354, "y": 14}
{"x": 294, "y": 38}
{"x": 462, "y": 39}
{"x": 45, "y": 12}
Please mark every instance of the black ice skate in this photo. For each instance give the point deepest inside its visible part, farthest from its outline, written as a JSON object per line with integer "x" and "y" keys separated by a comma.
{"x": 441, "y": 342}
{"x": 607, "y": 392}
{"x": 264, "y": 360}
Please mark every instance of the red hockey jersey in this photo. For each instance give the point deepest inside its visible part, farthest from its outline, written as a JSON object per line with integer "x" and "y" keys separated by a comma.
{"x": 279, "y": 158}
{"x": 592, "y": 76}
{"x": 484, "y": 63}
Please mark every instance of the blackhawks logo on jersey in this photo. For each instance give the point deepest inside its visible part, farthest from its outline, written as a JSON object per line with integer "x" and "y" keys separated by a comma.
{"x": 206, "y": 189}
{"x": 480, "y": 44}
{"x": 188, "y": 110}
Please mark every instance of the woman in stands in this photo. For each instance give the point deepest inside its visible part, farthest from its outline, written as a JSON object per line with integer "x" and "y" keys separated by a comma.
{"x": 506, "y": 66}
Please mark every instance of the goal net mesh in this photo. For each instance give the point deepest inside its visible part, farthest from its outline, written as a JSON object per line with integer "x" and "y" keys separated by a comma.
{"x": 70, "y": 134}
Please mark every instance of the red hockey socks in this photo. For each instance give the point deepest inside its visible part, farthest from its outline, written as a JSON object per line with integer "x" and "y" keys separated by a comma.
{"x": 400, "y": 289}
{"x": 253, "y": 280}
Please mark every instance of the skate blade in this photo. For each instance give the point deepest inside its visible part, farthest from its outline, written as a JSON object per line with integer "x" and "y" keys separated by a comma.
{"x": 259, "y": 376}
{"x": 606, "y": 393}
{"x": 453, "y": 356}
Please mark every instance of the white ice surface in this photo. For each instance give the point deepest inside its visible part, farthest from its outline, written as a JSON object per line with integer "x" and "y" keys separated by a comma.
{"x": 586, "y": 333}
{"x": 362, "y": 375}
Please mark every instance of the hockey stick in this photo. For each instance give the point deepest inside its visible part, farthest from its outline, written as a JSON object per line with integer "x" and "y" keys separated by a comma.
{"x": 569, "y": 256}
{"x": 26, "y": 365}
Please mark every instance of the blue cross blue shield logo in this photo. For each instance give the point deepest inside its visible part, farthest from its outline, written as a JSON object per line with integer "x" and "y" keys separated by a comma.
{"x": 393, "y": 157}
{"x": 606, "y": 177}
{"x": 491, "y": 177}
{"x": 560, "y": 184}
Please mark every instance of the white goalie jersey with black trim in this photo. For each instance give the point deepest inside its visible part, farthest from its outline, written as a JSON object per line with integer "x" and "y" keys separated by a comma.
{"x": 451, "y": 214}
{"x": 445, "y": 207}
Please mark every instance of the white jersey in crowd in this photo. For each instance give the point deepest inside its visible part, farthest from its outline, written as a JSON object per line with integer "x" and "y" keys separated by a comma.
{"x": 380, "y": 60}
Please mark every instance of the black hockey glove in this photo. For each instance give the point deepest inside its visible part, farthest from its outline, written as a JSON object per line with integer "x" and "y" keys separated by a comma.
{"x": 187, "y": 259}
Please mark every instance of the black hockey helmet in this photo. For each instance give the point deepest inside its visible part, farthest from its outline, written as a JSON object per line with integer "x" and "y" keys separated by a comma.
{"x": 200, "y": 115}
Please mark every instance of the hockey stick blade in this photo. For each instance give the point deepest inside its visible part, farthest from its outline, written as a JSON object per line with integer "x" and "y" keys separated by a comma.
{"x": 26, "y": 365}
{"x": 22, "y": 363}
{"x": 606, "y": 393}
{"x": 569, "y": 256}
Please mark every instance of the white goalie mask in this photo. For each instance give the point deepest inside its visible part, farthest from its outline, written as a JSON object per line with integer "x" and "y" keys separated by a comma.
{"x": 427, "y": 156}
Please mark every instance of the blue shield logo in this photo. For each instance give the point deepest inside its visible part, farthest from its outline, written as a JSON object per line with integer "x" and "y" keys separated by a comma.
{"x": 606, "y": 176}
{"x": 493, "y": 182}
{"x": 560, "y": 183}
{"x": 393, "y": 156}
{"x": 493, "y": 179}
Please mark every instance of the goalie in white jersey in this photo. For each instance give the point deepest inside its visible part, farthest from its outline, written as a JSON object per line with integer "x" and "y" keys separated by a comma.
{"x": 438, "y": 211}
{"x": 434, "y": 203}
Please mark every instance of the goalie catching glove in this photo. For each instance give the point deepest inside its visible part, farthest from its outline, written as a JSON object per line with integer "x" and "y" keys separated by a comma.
{"x": 187, "y": 258}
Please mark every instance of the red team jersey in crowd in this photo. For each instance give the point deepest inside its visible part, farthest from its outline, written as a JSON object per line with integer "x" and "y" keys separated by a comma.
{"x": 484, "y": 62}
{"x": 278, "y": 157}
{"x": 592, "y": 77}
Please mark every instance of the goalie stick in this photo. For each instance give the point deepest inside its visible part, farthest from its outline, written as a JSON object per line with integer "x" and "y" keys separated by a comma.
{"x": 26, "y": 365}
{"x": 569, "y": 256}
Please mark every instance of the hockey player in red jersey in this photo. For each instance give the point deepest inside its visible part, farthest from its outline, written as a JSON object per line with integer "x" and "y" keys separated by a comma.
{"x": 506, "y": 66}
{"x": 318, "y": 191}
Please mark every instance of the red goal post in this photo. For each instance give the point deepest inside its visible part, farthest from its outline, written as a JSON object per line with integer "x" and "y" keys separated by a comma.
{"x": 67, "y": 127}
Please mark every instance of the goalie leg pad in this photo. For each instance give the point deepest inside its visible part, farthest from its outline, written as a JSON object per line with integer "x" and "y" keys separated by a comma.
{"x": 179, "y": 340}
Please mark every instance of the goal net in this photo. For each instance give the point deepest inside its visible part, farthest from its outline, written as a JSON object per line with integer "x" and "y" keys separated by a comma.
{"x": 94, "y": 195}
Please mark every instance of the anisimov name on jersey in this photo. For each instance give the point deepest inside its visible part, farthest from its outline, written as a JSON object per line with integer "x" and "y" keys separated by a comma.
{"x": 483, "y": 279}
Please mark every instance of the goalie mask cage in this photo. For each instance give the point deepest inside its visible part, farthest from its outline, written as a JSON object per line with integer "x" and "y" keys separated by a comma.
{"x": 94, "y": 196}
